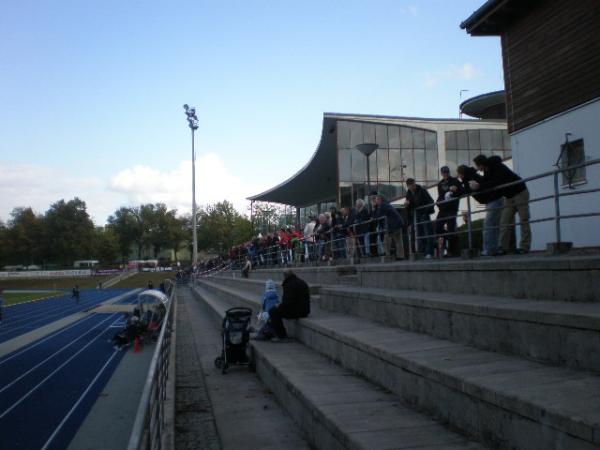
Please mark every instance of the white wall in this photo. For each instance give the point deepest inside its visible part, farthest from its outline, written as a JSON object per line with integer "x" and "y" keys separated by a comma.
{"x": 536, "y": 149}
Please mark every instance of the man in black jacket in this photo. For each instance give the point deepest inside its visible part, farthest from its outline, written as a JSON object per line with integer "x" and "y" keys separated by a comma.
{"x": 445, "y": 222}
{"x": 493, "y": 201}
{"x": 295, "y": 304}
{"x": 419, "y": 205}
{"x": 516, "y": 199}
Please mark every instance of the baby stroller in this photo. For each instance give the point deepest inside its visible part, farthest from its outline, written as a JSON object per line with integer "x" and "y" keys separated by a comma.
{"x": 235, "y": 335}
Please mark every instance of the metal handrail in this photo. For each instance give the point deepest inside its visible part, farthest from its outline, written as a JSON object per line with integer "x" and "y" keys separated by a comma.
{"x": 276, "y": 255}
{"x": 148, "y": 428}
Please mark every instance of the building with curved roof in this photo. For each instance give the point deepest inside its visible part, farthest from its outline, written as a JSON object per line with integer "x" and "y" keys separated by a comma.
{"x": 488, "y": 106}
{"x": 408, "y": 147}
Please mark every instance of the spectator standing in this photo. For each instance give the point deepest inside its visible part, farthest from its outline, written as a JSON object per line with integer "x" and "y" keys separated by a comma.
{"x": 323, "y": 235}
{"x": 516, "y": 200}
{"x": 150, "y": 284}
{"x": 445, "y": 222}
{"x": 392, "y": 224}
{"x": 246, "y": 267}
{"x": 309, "y": 239}
{"x": 419, "y": 206}
{"x": 362, "y": 227}
{"x": 348, "y": 218}
{"x": 493, "y": 201}
{"x": 75, "y": 293}
{"x": 295, "y": 304}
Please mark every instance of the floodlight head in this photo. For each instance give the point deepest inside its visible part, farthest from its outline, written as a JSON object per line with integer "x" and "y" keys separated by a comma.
{"x": 367, "y": 149}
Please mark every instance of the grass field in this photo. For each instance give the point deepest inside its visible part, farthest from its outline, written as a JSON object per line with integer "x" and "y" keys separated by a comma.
{"x": 52, "y": 283}
{"x": 12, "y": 298}
{"x": 140, "y": 280}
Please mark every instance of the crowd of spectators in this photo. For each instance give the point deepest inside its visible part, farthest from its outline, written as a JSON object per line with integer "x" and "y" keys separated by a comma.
{"x": 376, "y": 228}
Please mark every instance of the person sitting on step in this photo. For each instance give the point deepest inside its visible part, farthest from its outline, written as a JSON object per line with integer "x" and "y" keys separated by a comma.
{"x": 295, "y": 304}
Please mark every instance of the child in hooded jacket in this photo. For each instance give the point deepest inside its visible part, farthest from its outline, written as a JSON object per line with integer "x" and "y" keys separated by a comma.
{"x": 270, "y": 299}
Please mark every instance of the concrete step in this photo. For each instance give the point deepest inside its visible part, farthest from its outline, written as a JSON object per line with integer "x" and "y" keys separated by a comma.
{"x": 560, "y": 333}
{"x": 335, "y": 408}
{"x": 254, "y": 286}
{"x": 506, "y": 401}
{"x": 560, "y": 278}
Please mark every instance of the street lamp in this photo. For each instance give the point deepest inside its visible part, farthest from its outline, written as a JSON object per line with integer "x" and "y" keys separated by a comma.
{"x": 190, "y": 112}
{"x": 367, "y": 150}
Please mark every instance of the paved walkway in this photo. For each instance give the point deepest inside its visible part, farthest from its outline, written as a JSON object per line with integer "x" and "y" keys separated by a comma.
{"x": 116, "y": 406}
{"x": 237, "y": 406}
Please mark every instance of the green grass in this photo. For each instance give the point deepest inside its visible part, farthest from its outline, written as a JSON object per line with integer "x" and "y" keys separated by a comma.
{"x": 140, "y": 280}
{"x": 12, "y": 298}
{"x": 52, "y": 283}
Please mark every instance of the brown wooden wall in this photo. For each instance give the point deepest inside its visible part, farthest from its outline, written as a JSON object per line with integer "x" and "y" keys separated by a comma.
{"x": 551, "y": 60}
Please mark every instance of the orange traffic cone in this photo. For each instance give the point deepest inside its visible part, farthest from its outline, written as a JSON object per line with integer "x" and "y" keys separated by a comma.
{"x": 136, "y": 345}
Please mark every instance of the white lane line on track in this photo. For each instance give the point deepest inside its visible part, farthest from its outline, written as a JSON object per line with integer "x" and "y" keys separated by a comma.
{"x": 20, "y": 377}
{"x": 61, "y": 303}
{"x": 73, "y": 309}
{"x": 43, "y": 313}
{"x": 60, "y": 425}
{"x": 67, "y": 300}
{"x": 41, "y": 341}
{"x": 18, "y": 402}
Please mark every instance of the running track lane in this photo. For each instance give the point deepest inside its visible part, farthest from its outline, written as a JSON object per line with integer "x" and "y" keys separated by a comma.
{"x": 35, "y": 315}
{"x": 46, "y": 392}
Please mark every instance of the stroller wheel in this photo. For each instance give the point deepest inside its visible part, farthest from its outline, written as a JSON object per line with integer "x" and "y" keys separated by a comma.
{"x": 219, "y": 363}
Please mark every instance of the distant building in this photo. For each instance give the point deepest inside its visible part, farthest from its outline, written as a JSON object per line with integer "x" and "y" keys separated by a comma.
{"x": 551, "y": 56}
{"x": 408, "y": 148}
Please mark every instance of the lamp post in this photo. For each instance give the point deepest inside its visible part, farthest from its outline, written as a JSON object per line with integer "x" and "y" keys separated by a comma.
{"x": 367, "y": 150}
{"x": 190, "y": 112}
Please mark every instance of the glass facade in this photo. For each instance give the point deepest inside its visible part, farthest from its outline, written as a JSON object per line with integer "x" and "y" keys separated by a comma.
{"x": 404, "y": 152}
{"x": 464, "y": 145}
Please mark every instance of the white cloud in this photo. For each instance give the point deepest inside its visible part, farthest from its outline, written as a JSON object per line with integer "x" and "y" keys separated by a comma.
{"x": 410, "y": 9}
{"x": 39, "y": 186}
{"x": 214, "y": 183}
{"x": 466, "y": 71}
{"x": 24, "y": 185}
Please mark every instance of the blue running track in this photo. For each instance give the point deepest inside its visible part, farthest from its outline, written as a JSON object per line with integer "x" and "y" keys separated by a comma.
{"x": 21, "y": 319}
{"x": 48, "y": 387}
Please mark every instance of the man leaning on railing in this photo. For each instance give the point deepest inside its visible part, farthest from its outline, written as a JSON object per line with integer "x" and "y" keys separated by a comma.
{"x": 516, "y": 200}
{"x": 392, "y": 223}
{"x": 419, "y": 205}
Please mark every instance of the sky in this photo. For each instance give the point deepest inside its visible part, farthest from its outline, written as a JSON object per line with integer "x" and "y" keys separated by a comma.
{"x": 91, "y": 93}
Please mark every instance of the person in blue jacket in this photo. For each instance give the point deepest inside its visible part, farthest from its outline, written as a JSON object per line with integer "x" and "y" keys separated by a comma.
{"x": 270, "y": 300}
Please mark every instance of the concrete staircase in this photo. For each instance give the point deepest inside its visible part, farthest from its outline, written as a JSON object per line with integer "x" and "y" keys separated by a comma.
{"x": 508, "y": 372}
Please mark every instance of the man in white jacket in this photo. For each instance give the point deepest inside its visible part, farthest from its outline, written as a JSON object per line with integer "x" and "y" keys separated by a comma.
{"x": 309, "y": 239}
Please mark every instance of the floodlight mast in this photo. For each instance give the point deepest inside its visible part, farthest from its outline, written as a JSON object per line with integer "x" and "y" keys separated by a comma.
{"x": 192, "y": 119}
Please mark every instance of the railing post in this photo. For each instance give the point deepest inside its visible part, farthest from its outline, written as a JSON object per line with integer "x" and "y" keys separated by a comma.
{"x": 557, "y": 208}
{"x": 416, "y": 228}
{"x": 469, "y": 226}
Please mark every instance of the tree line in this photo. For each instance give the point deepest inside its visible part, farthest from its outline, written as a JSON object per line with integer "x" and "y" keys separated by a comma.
{"x": 65, "y": 233}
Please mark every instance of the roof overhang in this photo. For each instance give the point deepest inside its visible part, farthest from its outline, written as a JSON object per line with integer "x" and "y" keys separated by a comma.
{"x": 495, "y": 15}
{"x": 489, "y": 106}
{"x": 316, "y": 181}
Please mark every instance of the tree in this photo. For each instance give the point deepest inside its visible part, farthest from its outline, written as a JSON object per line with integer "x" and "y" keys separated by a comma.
{"x": 26, "y": 237}
{"x": 221, "y": 227}
{"x": 107, "y": 245}
{"x": 267, "y": 217}
{"x": 125, "y": 224}
{"x": 70, "y": 231}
